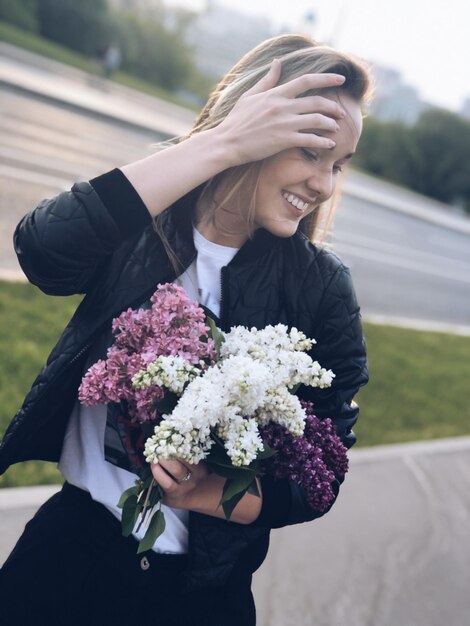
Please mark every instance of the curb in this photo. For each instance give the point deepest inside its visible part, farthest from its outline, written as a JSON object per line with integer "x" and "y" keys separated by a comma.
{"x": 386, "y": 452}
{"x": 417, "y": 324}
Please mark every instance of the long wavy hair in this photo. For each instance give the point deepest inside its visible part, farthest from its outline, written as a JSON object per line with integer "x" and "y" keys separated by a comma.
{"x": 298, "y": 55}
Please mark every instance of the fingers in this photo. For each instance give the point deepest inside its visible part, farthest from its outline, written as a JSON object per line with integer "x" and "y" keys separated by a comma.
{"x": 269, "y": 80}
{"x": 169, "y": 474}
{"x": 315, "y": 121}
{"x": 304, "y": 83}
{"x": 319, "y": 104}
{"x": 166, "y": 482}
{"x": 312, "y": 140}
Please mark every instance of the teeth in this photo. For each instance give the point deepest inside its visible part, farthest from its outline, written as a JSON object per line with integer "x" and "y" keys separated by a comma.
{"x": 295, "y": 201}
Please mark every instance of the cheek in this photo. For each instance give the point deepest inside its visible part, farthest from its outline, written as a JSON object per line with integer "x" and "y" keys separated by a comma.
{"x": 268, "y": 189}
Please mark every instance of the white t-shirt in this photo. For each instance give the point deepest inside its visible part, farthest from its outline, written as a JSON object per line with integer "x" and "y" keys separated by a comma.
{"x": 82, "y": 461}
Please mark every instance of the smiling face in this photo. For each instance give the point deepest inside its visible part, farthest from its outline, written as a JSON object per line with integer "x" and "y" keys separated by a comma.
{"x": 295, "y": 181}
{"x": 291, "y": 184}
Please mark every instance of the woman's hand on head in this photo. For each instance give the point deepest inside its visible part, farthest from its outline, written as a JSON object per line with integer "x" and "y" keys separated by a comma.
{"x": 269, "y": 118}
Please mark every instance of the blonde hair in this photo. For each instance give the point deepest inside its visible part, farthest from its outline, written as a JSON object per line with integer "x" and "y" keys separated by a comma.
{"x": 298, "y": 55}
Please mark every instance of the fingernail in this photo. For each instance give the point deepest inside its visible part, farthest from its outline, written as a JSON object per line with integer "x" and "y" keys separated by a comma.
{"x": 340, "y": 79}
{"x": 155, "y": 462}
{"x": 331, "y": 144}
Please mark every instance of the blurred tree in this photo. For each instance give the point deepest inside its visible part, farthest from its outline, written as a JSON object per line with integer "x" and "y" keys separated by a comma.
{"x": 80, "y": 25}
{"x": 432, "y": 157}
{"x": 389, "y": 150}
{"x": 20, "y": 13}
{"x": 151, "y": 50}
{"x": 443, "y": 140}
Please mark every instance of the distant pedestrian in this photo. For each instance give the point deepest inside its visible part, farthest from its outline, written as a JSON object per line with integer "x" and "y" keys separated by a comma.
{"x": 233, "y": 213}
{"x": 112, "y": 58}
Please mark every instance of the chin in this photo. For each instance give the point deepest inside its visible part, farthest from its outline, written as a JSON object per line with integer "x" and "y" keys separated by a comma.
{"x": 283, "y": 230}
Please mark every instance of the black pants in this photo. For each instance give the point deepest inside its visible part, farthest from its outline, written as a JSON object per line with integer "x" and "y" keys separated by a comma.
{"x": 72, "y": 567}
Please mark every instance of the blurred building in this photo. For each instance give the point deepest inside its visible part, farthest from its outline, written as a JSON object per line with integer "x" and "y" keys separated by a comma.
{"x": 220, "y": 36}
{"x": 465, "y": 110}
{"x": 394, "y": 100}
{"x": 136, "y": 5}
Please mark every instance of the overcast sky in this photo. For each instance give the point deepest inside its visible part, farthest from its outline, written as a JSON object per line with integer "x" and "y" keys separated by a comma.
{"x": 427, "y": 40}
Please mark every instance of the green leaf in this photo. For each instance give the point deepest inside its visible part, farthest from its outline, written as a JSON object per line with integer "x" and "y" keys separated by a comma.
{"x": 236, "y": 485}
{"x": 228, "y": 472}
{"x": 130, "y": 513}
{"x": 232, "y": 503}
{"x": 155, "y": 529}
{"x": 253, "y": 489}
{"x": 218, "y": 454}
{"x": 132, "y": 491}
{"x": 266, "y": 453}
{"x": 216, "y": 334}
{"x": 147, "y": 478}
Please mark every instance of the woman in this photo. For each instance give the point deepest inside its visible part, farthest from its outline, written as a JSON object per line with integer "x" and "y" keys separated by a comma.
{"x": 227, "y": 213}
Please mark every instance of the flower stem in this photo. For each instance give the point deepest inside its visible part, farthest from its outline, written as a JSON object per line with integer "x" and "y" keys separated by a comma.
{"x": 145, "y": 505}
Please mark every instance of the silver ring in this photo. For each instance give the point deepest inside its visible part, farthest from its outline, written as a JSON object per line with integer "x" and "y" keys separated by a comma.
{"x": 185, "y": 478}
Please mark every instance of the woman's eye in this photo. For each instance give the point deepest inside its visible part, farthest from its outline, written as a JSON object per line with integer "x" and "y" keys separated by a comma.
{"x": 308, "y": 155}
{"x": 337, "y": 168}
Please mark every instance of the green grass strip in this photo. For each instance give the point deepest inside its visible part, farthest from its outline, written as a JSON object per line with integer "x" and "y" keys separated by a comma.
{"x": 45, "y": 47}
{"x": 418, "y": 388}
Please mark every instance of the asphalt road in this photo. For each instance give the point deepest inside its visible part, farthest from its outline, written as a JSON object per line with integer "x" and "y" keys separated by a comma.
{"x": 402, "y": 266}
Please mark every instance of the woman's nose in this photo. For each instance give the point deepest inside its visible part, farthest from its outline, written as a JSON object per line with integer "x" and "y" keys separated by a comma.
{"x": 321, "y": 183}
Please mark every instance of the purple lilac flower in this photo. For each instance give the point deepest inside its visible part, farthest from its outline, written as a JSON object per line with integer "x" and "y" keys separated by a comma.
{"x": 174, "y": 325}
{"x": 312, "y": 460}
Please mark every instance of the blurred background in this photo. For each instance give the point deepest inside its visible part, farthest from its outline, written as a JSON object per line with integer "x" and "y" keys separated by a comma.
{"x": 87, "y": 86}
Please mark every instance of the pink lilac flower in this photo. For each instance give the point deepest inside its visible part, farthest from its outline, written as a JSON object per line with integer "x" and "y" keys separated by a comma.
{"x": 312, "y": 460}
{"x": 174, "y": 325}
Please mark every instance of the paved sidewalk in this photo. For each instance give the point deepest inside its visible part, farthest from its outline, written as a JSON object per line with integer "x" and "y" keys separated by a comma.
{"x": 393, "y": 550}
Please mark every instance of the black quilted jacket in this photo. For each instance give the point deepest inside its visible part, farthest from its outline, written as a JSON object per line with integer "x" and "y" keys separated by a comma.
{"x": 98, "y": 239}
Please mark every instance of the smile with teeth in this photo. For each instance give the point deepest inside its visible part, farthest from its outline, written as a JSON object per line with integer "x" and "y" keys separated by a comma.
{"x": 296, "y": 201}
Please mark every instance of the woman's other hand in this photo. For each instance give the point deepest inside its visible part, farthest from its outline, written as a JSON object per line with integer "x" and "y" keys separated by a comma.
{"x": 194, "y": 488}
{"x": 178, "y": 479}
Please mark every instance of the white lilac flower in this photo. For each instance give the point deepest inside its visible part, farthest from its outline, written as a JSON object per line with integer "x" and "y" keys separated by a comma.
{"x": 284, "y": 408}
{"x": 242, "y": 440}
{"x": 245, "y": 382}
{"x": 171, "y": 372}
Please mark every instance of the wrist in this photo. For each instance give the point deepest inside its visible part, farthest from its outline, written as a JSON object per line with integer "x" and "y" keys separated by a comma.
{"x": 222, "y": 148}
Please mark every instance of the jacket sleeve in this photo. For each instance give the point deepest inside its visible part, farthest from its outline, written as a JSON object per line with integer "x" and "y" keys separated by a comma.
{"x": 62, "y": 244}
{"x": 341, "y": 348}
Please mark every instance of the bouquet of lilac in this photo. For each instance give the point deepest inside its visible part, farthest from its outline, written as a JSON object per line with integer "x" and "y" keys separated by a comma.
{"x": 225, "y": 398}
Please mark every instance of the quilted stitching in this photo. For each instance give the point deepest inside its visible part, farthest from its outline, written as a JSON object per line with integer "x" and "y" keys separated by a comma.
{"x": 292, "y": 282}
